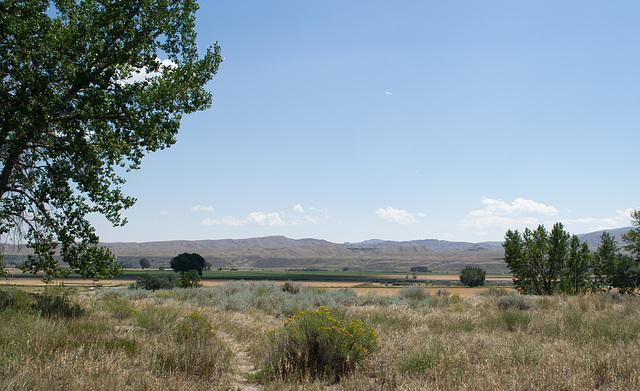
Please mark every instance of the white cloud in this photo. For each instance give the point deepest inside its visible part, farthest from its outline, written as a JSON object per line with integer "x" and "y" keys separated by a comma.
{"x": 312, "y": 220}
{"x": 163, "y": 213}
{"x": 388, "y": 93}
{"x": 398, "y": 216}
{"x": 588, "y": 224}
{"x": 200, "y": 208}
{"x": 519, "y": 206}
{"x": 262, "y": 218}
{"x": 228, "y": 220}
{"x": 253, "y": 218}
{"x": 498, "y": 215}
{"x": 272, "y": 219}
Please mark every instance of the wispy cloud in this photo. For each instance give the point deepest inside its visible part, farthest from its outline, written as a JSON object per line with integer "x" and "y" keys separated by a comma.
{"x": 622, "y": 218}
{"x": 519, "y": 206}
{"x": 272, "y": 219}
{"x": 398, "y": 216}
{"x": 388, "y": 93}
{"x": 200, "y": 208}
{"x": 262, "y": 218}
{"x": 498, "y": 215}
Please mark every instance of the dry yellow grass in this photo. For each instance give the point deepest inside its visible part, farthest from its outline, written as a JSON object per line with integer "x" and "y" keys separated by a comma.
{"x": 439, "y": 343}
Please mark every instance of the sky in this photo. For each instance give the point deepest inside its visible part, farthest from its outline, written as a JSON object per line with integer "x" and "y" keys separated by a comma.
{"x": 405, "y": 120}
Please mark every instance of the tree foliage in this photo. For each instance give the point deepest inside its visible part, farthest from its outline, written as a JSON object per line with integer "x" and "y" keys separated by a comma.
{"x": 632, "y": 238}
{"x": 576, "y": 274}
{"x": 604, "y": 263}
{"x": 190, "y": 279}
{"x": 83, "y": 97}
{"x": 472, "y": 276}
{"x": 188, "y": 261}
{"x": 144, "y": 263}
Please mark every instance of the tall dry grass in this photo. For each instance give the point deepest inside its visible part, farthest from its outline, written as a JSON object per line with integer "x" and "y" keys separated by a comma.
{"x": 131, "y": 340}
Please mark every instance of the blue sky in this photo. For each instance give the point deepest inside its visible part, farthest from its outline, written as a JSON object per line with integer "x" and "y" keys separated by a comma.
{"x": 353, "y": 120}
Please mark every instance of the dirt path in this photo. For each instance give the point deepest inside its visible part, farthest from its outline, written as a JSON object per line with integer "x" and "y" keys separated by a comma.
{"x": 243, "y": 364}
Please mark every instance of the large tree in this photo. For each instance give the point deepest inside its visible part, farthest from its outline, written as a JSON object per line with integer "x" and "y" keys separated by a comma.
{"x": 188, "y": 261}
{"x": 87, "y": 88}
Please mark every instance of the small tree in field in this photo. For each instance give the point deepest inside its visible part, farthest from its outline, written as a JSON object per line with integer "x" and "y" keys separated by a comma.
{"x": 472, "y": 276}
{"x": 186, "y": 261}
{"x": 190, "y": 279}
{"x": 144, "y": 263}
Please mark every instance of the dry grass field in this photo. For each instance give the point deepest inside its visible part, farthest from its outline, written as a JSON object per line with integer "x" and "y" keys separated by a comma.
{"x": 490, "y": 340}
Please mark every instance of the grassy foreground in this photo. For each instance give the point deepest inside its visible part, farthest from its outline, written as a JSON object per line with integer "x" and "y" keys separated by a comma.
{"x": 133, "y": 339}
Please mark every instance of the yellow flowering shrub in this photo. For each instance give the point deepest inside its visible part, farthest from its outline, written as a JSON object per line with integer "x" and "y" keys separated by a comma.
{"x": 319, "y": 345}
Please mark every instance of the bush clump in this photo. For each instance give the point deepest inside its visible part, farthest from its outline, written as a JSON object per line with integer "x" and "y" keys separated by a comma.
{"x": 54, "y": 306}
{"x": 53, "y": 303}
{"x": 514, "y": 302}
{"x": 196, "y": 352}
{"x": 319, "y": 346}
{"x": 152, "y": 283}
{"x": 194, "y": 327}
{"x": 415, "y": 292}
{"x": 292, "y": 287}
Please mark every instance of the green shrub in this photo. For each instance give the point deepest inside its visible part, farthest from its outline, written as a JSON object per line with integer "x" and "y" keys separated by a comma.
{"x": 152, "y": 282}
{"x": 512, "y": 320}
{"x": 291, "y": 287}
{"x": 494, "y": 292}
{"x": 190, "y": 279}
{"x": 54, "y": 306}
{"x": 194, "y": 327}
{"x": 423, "y": 361}
{"x": 514, "y": 302}
{"x": 157, "y": 318}
{"x": 196, "y": 351}
{"x": 414, "y": 292}
{"x": 53, "y": 303}
{"x": 119, "y": 308}
{"x": 15, "y": 299}
{"x": 319, "y": 346}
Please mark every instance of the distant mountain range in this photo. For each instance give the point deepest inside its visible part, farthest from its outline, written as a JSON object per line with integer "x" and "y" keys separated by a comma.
{"x": 278, "y": 252}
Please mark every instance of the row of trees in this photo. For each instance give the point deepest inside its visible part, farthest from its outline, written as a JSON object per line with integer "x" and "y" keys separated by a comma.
{"x": 544, "y": 263}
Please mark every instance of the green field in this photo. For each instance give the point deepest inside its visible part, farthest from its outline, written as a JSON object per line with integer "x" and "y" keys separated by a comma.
{"x": 296, "y": 275}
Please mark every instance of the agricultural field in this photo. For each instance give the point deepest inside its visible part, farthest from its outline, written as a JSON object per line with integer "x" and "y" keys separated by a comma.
{"x": 382, "y": 283}
{"x": 245, "y": 335}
